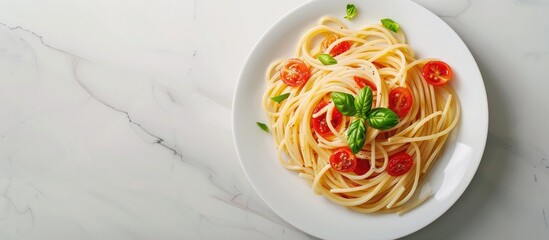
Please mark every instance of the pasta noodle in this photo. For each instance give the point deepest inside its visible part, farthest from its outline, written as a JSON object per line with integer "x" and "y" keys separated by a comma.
{"x": 388, "y": 62}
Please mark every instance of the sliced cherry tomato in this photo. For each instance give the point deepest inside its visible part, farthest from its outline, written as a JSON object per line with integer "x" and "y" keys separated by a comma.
{"x": 343, "y": 160}
{"x": 400, "y": 101}
{"x": 362, "y": 82}
{"x": 362, "y": 166}
{"x": 295, "y": 73}
{"x": 437, "y": 73}
{"x": 337, "y": 49}
{"x": 399, "y": 164}
{"x": 320, "y": 123}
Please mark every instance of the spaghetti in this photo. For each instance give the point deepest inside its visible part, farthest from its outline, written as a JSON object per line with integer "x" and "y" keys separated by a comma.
{"x": 310, "y": 131}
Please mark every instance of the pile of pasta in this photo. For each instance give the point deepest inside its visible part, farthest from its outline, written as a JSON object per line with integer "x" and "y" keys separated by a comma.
{"x": 308, "y": 129}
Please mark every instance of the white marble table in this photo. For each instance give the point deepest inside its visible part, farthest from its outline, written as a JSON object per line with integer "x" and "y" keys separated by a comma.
{"x": 115, "y": 120}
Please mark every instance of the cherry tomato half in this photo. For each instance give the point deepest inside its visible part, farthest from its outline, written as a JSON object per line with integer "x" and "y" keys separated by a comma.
{"x": 399, "y": 164}
{"x": 320, "y": 123}
{"x": 362, "y": 82}
{"x": 295, "y": 73}
{"x": 400, "y": 101}
{"x": 343, "y": 160}
{"x": 337, "y": 49}
{"x": 362, "y": 166}
{"x": 437, "y": 73}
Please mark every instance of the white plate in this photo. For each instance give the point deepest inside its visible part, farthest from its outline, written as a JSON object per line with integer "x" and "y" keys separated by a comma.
{"x": 289, "y": 195}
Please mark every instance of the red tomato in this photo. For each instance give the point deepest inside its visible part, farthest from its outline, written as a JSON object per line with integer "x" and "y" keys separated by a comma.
{"x": 437, "y": 73}
{"x": 362, "y": 166}
{"x": 400, "y": 101}
{"x": 337, "y": 49}
{"x": 399, "y": 164}
{"x": 320, "y": 124}
{"x": 295, "y": 72}
{"x": 343, "y": 160}
{"x": 362, "y": 82}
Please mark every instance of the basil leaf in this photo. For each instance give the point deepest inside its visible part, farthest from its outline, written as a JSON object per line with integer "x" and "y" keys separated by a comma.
{"x": 344, "y": 102}
{"x": 363, "y": 102}
{"x": 382, "y": 118}
{"x": 280, "y": 98}
{"x": 351, "y": 11}
{"x": 326, "y": 59}
{"x": 263, "y": 126}
{"x": 390, "y": 24}
{"x": 356, "y": 135}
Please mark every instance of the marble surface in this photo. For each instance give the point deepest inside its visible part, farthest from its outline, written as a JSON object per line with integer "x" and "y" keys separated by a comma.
{"x": 109, "y": 111}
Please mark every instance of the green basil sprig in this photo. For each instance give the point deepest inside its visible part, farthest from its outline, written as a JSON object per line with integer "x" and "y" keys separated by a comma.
{"x": 355, "y": 135}
{"x": 326, "y": 59}
{"x": 382, "y": 118}
{"x": 363, "y": 102}
{"x": 344, "y": 102}
{"x": 361, "y": 108}
{"x": 390, "y": 24}
{"x": 280, "y": 98}
{"x": 263, "y": 126}
{"x": 351, "y": 11}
